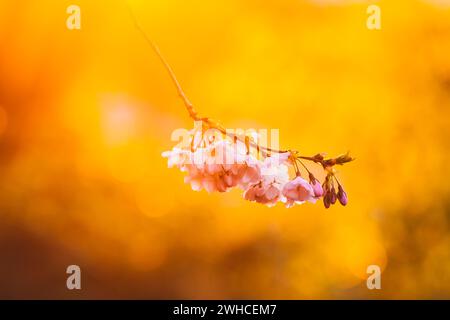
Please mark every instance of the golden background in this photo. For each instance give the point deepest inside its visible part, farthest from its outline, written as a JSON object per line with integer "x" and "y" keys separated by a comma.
{"x": 85, "y": 115}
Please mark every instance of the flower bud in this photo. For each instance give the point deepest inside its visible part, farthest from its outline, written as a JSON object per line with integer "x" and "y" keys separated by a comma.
{"x": 333, "y": 197}
{"x": 317, "y": 188}
{"x": 342, "y": 196}
{"x": 319, "y": 156}
{"x": 344, "y": 159}
{"x": 326, "y": 200}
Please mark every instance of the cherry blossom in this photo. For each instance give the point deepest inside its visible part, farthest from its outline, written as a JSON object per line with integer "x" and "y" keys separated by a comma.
{"x": 274, "y": 175}
{"x": 297, "y": 191}
{"x": 218, "y": 166}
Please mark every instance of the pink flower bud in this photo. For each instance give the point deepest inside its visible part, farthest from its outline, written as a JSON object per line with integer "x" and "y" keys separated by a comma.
{"x": 342, "y": 196}
{"x": 326, "y": 200}
{"x": 332, "y": 194}
{"x": 317, "y": 188}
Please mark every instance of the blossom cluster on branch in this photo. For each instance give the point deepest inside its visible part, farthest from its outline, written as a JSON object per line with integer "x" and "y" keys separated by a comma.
{"x": 219, "y": 162}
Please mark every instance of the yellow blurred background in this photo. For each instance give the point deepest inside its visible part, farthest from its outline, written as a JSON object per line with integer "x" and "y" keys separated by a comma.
{"x": 85, "y": 115}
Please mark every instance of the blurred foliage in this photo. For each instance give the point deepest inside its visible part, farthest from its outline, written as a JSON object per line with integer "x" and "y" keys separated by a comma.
{"x": 85, "y": 115}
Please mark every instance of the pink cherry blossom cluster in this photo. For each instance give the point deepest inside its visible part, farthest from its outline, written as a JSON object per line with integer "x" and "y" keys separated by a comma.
{"x": 221, "y": 163}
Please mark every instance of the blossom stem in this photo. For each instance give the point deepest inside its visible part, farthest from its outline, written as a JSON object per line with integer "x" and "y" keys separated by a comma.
{"x": 297, "y": 170}
{"x": 337, "y": 181}
{"x": 304, "y": 166}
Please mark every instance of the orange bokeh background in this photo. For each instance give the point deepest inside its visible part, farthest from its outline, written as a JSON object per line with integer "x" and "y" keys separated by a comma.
{"x": 85, "y": 115}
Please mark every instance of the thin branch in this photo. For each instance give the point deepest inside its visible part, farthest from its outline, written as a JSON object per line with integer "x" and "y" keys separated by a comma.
{"x": 187, "y": 102}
